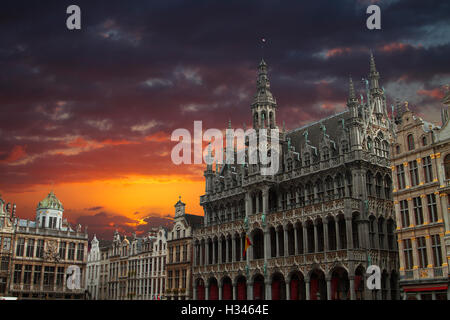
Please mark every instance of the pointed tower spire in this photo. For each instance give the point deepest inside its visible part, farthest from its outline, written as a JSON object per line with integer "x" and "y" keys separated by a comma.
{"x": 352, "y": 102}
{"x": 374, "y": 76}
{"x": 373, "y": 68}
{"x": 264, "y": 104}
{"x": 351, "y": 91}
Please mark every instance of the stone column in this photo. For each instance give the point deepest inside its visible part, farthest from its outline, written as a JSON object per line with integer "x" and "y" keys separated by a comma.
{"x": 234, "y": 290}
{"x": 267, "y": 244}
{"x": 307, "y": 290}
{"x": 316, "y": 238}
{"x": 277, "y": 243}
{"x": 194, "y": 292}
{"x": 286, "y": 242}
{"x": 325, "y": 236}
{"x": 338, "y": 238}
{"x": 407, "y": 178}
{"x": 220, "y": 291}
{"x": 265, "y": 200}
{"x": 207, "y": 291}
{"x": 288, "y": 291}
{"x": 328, "y": 288}
{"x": 295, "y": 240}
{"x": 248, "y": 204}
{"x": 257, "y": 203}
{"x": 305, "y": 239}
{"x": 430, "y": 252}
{"x": 249, "y": 290}
{"x": 206, "y": 253}
{"x": 352, "y": 288}
{"x": 233, "y": 249}
{"x": 213, "y": 252}
{"x": 348, "y": 224}
{"x": 268, "y": 289}
{"x": 219, "y": 245}
{"x": 227, "y": 251}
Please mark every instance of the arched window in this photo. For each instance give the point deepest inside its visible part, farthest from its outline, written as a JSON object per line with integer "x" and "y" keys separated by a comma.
{"x": 447, "y": 166}
{"x": 410, "y": 142}
{"x": 424, "y": 141}
{"x": 397, "y": 149}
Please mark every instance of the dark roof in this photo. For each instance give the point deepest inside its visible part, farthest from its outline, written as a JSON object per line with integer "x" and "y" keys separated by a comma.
{"x": 333, "y": 125}
{"x": 104, "y": 243}
{"x": 194, "y": 220}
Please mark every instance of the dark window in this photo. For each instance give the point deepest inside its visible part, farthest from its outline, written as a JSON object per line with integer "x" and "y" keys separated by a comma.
{"x": 20, "y": 247}
{"x": 432, "y": 209}
{"x": 408, "y": 254}
{"x": 404, "y": 213}
{"x": 401, "y": 176}
{"x": 418, "y": 212}
{"x": 413, "y": 173}
{"x": 80, "y": 252}
{"x": 447, "y": 166}
{"x": 62, "y": 250}
{"x": 410, "y": 142}
{"x": 37, "y": 275}
{"x": 17, "y": 273}
{"x": 27, "y": 274}
{"x": 71, "y": 253}
{"x": 436, "y": 248}
{"x": 424, "y": 141}
{"x": 428, "y": 169}
{"x": 422, "y": 249}
{"x": 40, "y": 248}
{"x": 30, "y": 248}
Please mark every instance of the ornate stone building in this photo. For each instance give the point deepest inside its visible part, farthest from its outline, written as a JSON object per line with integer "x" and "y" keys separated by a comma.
{"x": 7, "y": 217}
{"x": 179, "y": 259}
{"x": 132, "y": 269}
{"x": 316, "y": 224}
{"x": 42, "y": 253}
{"x": 421, "y": 170}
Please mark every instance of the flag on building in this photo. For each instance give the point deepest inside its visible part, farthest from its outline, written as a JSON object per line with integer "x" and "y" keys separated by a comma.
{"x": 248, "y": 243}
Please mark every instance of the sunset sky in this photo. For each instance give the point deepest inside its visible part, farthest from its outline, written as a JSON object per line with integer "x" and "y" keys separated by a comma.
{"x": 89, "y": 113}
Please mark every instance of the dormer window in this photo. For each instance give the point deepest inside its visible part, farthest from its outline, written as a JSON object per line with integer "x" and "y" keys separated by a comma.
{"x": 326, "y": 154}
{"x": 307, "y": 160}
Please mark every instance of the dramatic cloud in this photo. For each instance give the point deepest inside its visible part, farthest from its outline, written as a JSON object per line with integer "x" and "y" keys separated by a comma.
{"x": 90, "y": 112}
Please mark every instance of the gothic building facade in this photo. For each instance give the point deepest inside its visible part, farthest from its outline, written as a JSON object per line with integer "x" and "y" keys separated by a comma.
{"x": 315, "y": 225}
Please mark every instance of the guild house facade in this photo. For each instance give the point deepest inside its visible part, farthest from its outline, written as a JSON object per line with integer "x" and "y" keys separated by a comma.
{"x": 128, "y": 269}
{"x": 421, "y": 172}
{"x": 179, "y": 250}
{"x": 317, "y": 224}
{"x": 41, "y": 251}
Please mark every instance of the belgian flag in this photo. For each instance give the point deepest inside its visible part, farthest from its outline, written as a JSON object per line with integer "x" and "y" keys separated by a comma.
{"x": 248, "y": 243}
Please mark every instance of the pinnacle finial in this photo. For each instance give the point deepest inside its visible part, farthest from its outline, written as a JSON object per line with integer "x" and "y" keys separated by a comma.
{"x": 351, "y": 93}
{"x": 229, "y": 123}
{"x": 373, "y": 68}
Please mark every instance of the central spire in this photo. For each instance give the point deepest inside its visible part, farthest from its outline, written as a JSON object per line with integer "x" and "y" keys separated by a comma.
{"x": 264, "y": 104}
